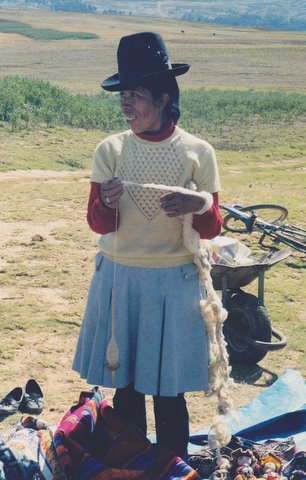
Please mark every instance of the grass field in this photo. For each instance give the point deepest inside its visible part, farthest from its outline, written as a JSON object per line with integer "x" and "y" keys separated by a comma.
{"x": 221, "y": 57}
{"x": 26, "y": 30}
{"x": 47, "y": 248}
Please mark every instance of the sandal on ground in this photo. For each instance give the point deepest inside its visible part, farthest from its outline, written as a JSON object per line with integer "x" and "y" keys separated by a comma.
{"x": 10, "y": 404}
{"x": 33, "y": 400}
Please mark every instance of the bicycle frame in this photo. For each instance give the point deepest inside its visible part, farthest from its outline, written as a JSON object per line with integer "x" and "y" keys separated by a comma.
{"x": 284, "y": 233}
{"x": 248, "y": 220}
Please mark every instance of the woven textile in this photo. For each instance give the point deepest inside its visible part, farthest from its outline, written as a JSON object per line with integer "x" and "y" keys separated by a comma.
{"x": 27, "y": 452}
{"x": 15, "y": 464}
{"x": 205, "y": 462}
{"x": 92, "y": 442}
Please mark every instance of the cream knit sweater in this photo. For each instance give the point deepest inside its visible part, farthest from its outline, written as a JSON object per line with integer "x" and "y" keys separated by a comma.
{"x": 146, "y": 236}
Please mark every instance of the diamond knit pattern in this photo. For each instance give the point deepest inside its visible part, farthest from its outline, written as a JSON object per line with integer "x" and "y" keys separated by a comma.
{"x": 150, "y": 164}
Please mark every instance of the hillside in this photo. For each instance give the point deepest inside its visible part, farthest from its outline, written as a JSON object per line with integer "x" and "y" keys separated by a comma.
{"x": 220, "y": 57}
{"x": 286, "y": 15}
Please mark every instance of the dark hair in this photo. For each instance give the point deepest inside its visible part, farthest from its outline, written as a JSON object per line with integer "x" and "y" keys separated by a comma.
{"x": 169, "y": 85}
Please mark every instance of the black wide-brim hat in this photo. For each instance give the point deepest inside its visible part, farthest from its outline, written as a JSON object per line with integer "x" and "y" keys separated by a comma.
{"x": 141, "y": 56}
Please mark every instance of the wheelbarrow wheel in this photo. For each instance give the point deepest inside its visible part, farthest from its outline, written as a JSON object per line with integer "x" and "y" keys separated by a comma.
{"x": 247, "y": 323}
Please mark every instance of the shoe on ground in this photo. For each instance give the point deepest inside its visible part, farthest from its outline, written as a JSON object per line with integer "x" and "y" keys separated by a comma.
{"x": 33, "y": 400}
{"x": 11, "y": 402}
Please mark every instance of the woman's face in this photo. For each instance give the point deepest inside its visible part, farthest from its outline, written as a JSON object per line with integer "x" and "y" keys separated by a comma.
{"x": 142, "y": 112}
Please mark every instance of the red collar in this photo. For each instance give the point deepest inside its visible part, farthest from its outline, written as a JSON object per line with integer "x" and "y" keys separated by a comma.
{"x": 160, "y": 136}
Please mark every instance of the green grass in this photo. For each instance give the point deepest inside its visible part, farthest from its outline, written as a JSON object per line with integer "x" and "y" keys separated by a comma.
{"x": 20, "y": 28}
{"x": 55, "y": 149}
{"x": 247, "y": 121}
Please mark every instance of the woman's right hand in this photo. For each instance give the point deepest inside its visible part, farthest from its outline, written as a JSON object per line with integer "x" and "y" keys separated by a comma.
{"x": 110, "y": 192}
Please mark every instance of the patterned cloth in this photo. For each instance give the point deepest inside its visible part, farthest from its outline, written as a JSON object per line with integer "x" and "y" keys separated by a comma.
{"x": 296, "y": 468}
{"x": 92, "y": 442}
{"x": 27, "y": 452}
{"x": 15, "y": 464}
{"x": 205, "y": 462}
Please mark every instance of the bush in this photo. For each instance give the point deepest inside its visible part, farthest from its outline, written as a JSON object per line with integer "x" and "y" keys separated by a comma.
{"x": 25, "y": 102}
{"x": 216, "y": 108}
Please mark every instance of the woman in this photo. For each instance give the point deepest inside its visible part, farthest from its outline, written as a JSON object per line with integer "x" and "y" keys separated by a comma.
{"x": 157, "y": 323}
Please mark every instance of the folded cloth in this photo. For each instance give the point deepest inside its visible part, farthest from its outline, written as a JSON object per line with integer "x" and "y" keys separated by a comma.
{"x": 93, "y": 442}
{"x": 14, "y": 464}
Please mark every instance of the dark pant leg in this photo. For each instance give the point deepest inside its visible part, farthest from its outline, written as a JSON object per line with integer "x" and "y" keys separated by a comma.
{"x": 172, "y": 423}
{"x": 130, "y": 405}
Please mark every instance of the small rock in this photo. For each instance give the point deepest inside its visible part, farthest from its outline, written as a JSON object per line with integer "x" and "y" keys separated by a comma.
{"x": 37, "y": 238}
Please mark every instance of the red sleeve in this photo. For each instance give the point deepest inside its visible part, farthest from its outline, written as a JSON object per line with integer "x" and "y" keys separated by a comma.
{"x": 208, "y": 225}
{"x": 101, "y": 219}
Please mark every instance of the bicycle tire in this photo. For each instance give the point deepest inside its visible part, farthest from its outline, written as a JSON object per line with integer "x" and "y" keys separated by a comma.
{"x": 232, "y": 224}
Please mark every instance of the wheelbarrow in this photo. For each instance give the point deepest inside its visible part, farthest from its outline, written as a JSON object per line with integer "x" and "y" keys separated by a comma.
{"x": 247, "y": 329}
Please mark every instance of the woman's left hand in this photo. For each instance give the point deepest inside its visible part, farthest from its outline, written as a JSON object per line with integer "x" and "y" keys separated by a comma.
{"x": 180, "y": 203}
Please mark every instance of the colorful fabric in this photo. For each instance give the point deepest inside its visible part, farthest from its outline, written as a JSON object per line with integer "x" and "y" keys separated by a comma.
{"x": 147, "y": 237}
{"x": 283, "y": 435}
{"x": 49, "y": 464}
{"x": 296, "y": 468}
{"x": 92, "y": 442}
{"x": 205, "y": 462}
{"x": 29, "y": 450}
{"x": 15, "y": 464}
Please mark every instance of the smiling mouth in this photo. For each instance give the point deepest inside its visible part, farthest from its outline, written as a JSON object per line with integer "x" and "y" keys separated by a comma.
{"x": 130, "y": 118}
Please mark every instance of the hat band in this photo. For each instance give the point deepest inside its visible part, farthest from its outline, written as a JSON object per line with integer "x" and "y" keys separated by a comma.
{"x": 131, "y": 75}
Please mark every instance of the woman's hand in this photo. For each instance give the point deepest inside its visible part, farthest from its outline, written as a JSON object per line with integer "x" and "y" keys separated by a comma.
{"x": 110, "y": 192}
{"x": 182, "y": 202}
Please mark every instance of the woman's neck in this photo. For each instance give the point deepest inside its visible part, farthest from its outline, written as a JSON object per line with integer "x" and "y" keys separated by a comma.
{"x": 162, "y": 134}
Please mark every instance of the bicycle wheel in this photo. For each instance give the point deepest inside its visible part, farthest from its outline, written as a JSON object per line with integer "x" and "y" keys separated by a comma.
{"x": 268, "y": 213}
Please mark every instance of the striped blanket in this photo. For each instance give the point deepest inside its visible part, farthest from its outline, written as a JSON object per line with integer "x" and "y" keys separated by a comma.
{"x": 92, "y": 442}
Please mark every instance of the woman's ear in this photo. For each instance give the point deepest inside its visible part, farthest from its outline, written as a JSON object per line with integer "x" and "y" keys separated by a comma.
{"x": 164, "y": 99}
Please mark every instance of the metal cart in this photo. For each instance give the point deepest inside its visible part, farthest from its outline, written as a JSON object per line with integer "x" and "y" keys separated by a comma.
{"x": 247, "y": 329}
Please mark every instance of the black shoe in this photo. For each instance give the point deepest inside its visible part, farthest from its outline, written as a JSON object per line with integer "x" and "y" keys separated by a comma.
{"x": 33, "y": 401}
{"x": 11, "y": 402}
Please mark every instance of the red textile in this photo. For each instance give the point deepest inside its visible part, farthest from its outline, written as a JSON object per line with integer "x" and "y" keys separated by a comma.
{"x": 101, "y": 219}
{"x": 93, "y": 443}
{"x": 158, "y": 137}
{"x": 209, "y": 224}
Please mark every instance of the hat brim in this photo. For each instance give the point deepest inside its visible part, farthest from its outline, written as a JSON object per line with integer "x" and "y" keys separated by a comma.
{"x": 113, "y": 84}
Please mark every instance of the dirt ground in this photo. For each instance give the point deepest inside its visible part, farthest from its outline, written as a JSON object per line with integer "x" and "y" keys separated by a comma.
{"x": 48, "y": 357}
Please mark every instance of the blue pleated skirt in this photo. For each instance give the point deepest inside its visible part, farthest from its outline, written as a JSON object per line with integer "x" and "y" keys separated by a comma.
{"x": 159, "y": 329}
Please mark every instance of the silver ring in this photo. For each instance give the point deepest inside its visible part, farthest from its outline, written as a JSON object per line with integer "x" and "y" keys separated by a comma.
{"x": 107, "y": 200}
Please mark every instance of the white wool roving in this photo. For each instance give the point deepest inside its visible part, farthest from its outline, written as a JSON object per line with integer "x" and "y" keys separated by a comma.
{"x": 214, "y": 315}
